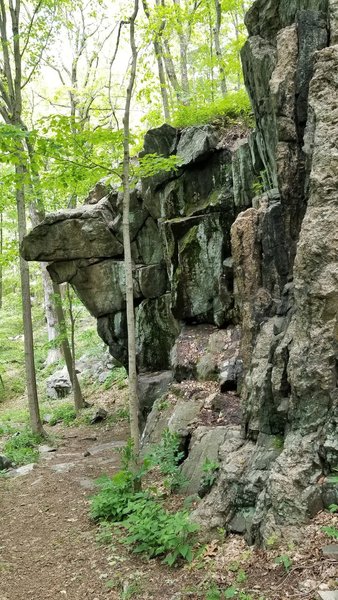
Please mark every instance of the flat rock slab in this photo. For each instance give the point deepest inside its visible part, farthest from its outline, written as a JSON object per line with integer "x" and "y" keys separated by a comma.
{"x": 24, "y": 470}
{"x": 63, "y": 467}
{"x": 86, "y": 484}
{"x": 328, "y": 595}
{"x": 98, "y": 448}
{"x": 46, "y": 449}
{"x": 330, "y": 551}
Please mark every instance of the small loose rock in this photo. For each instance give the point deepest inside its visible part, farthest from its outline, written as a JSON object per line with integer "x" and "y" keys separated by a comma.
{"x": 99, "y": 416}
{"x": 330, "y": 551}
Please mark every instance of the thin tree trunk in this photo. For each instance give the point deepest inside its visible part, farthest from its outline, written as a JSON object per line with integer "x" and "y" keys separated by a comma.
{"x": 54, "y": 353}
{"x": 170, "y": 70}
{"x": 32, "y": 394}
{"x": 183, "y": 58}
{"x": 217, "y": 30}
{"x": 78, "y": 399}
{"x": 1, "y": 252}
{"x": 235, "y": 22}
{"x": 66, "y": 351}
{"x": 37, "y": 214}
{"x": 184, "y": 71}
{"x": 132, "y": 372}
{"x": 211, "y": 55}
{"x": 161, "y": 73}
{"x": 12, "y": 112}
{"x": 163, "y": 83}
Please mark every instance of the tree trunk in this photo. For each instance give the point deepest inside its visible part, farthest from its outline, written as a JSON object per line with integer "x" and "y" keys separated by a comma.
{"x": 11, "y": 111}
{"x": 236, "y": 26}
{"x": 1, "y": 252}
{"x": 32, "y": 394}
{"x": 170, "y": 70}
{"x": 163, "y": 83}
{"x": 66, "y": 351}
{"x": 128, "y": 265}
{"x": 218, "y": 49}
{"x": 211, "y": 54}
{"x": 54, "y": 352}
{"x": 161, "y": 73}
{"x": 183, "y": 59}
{"x": 37, "y": 214}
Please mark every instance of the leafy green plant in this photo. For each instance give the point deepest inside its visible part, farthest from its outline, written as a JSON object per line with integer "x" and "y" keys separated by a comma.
{"x": 285, "y": 561}
{"x": 230, "y": 592}
{"x": 153, "y": 164}
{"x": 333, "y": 508}
{"x": 167, "y": 456}
{"x": 127, "y": 455}
{"x": 331, "y": 531}
{"x": 6, "y": 429}
{"x": 273, "y": 540}
{"x": 116, "y": 497}
{"x": 234, "y": 566}
{"x": 152, "y": 530}
{"x": 64, "y": 413}
{"x": 278, "y": 442}
{"x": 131, "y": 590}
{"x": 213, "y": 593}
{"x": 156, "y": 532}
{"x": 257, "y": 187}
{"x": 21, "y": 448}
{"x": 19, "y": 416}
{"x": 163, "y": 404}
{"x": 241, "y": 576}
{"x": 210, "y": 470}
{"x": 119, "y": 415}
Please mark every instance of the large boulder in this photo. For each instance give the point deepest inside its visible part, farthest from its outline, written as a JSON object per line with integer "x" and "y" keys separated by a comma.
{"x": 58, "y": 385}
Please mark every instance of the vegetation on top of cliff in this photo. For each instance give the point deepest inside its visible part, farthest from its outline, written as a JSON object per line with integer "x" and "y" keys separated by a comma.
{"x": 233, "y": 108}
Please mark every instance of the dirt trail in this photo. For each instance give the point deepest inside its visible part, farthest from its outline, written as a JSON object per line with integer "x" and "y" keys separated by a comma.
{"x": 49, "y": 551}
{"x": 47, "y": 542}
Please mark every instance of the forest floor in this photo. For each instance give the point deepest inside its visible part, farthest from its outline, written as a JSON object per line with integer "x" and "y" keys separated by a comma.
{"x": 50, "y": 549}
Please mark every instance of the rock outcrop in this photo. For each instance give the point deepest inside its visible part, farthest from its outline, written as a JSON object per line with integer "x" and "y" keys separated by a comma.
{"x": 285, "y": 252}
{"x": 180, "y": 232}
{"x": 236, "y": 280}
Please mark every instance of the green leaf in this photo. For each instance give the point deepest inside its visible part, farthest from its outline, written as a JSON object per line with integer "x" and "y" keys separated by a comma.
{"x": 230, "y": 592}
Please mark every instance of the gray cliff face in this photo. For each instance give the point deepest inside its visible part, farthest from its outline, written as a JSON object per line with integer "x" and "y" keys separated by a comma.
{"x": 236, "y": 280}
